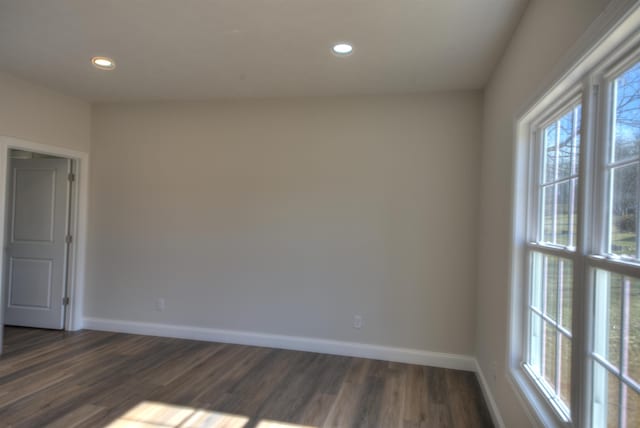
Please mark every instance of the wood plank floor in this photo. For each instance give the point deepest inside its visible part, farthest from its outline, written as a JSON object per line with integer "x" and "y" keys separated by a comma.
{"x": 97, "y": 379}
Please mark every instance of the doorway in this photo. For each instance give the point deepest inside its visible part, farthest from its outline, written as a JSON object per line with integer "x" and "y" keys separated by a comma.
{"x": 71, "y": 296}
{"x": 37, "y": 239}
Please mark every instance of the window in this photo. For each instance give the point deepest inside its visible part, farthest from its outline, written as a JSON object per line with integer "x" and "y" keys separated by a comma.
{"x": 576, "y": 339}
{"x": 616, "y": 351}
{"x": 622, "y": 165}
{"x": 553, "y": 230}
{"x": 616, "y": 278}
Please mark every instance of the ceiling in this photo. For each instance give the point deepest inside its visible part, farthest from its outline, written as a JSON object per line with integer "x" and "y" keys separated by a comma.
{"x": 199, "y": 49}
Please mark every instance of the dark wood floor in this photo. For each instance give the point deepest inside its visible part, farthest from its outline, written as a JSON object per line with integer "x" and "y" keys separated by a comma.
{"x": 97, "y": 379}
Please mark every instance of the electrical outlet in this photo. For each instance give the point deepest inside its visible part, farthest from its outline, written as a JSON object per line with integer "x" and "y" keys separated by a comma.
{"x": 160, "y": 304}
{"x": 357, "y": 321}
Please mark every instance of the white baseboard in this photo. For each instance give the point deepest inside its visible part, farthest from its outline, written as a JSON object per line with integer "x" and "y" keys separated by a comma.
{"x": 350, "y": 349}
{"x": 496, "y": 417}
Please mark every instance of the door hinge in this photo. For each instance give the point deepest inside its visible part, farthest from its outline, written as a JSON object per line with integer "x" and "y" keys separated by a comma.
{"x": 66, "y": 301}
{"x": 71, "y": 177}
{"x": 69, "y": 239}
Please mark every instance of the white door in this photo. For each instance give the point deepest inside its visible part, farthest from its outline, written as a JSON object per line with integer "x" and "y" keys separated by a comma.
{"x": 36, "y": 247}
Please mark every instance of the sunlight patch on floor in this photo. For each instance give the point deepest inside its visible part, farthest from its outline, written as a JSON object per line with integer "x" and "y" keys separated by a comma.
{"x": 150, "y": 414}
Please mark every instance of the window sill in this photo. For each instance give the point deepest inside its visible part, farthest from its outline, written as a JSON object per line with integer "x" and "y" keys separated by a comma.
{"x": 537, "y": 403}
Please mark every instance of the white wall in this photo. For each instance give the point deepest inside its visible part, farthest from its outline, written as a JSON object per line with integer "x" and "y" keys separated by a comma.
{"x": 548, "y": 30}
{"x": 39, "y": 115}
{"x": 36, "y": 114}
{"x": 290, "y": 216}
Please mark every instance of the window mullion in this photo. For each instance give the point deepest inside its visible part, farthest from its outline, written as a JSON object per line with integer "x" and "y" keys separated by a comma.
{"x": 589, "y": 237}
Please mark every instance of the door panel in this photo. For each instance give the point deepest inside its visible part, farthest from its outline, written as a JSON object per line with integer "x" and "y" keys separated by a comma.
{"x": 33, "y": 198}
{"x": 38, "y": 201}
{"x": 31, "y": 279}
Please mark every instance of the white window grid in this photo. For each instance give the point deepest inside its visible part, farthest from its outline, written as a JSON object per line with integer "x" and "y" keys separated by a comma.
{"x": 537, "y": 244}
{"x": 592, "y": 251}
{"x": 603, "y": 262}
{"x": 536, "y": 349}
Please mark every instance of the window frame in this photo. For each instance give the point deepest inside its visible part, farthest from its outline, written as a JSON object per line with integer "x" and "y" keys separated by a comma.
{"x": 605, "y": 78}
{"x": 616, "y": 48}
{"x": 599, "y": 258}
{"x": 533, "y": 244}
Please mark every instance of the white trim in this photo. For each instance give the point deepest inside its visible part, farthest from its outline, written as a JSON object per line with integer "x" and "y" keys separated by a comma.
{"x": 496, "y": 417}
{"x": 75, "y": 282}
{"x": 325, "y": 346}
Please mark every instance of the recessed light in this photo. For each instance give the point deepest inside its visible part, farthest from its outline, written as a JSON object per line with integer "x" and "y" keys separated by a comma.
{"x": 103, "y": 63}
{"x": 342, "y": 49}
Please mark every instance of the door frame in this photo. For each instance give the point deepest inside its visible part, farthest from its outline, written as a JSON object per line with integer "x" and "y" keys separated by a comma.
{"x": 77, "y": 226}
